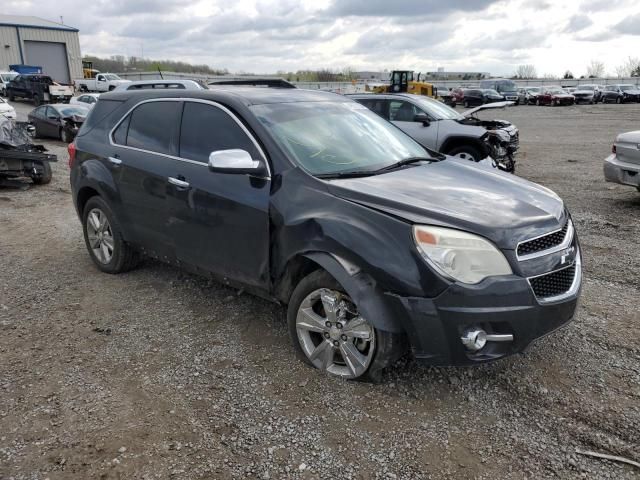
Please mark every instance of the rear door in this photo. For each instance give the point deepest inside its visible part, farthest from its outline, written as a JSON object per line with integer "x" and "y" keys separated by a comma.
{"x": 220, "y": 220}
{"x": 142, "y": 159}
{"x": 402, "y": 114}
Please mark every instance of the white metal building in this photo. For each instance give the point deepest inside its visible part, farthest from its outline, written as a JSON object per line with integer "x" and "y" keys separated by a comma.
{"x": 42, "y": 43}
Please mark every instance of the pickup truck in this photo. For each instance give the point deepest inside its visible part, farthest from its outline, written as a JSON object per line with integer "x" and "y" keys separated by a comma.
{"x": 39, "y": 88}
{"x": 104, "y": 82}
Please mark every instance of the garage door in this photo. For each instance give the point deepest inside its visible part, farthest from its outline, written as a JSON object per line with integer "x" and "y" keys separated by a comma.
{"x": 51, "y": 56}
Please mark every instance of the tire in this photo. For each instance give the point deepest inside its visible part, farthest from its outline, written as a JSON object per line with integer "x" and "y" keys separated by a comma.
{"x": 537, "y": 102}
{"x": 65, "y": 137}
{"x": 12, "y": 97}
{"x": 466, "y": 152}
{"x": 369, "y": 353}
{"x": 122, "y": 256}
{"x": 466, "y": 104}
{"x": 84, "y": 89}
{"x": 111, "y": 88}
{"x": 36, "y": 100}
{"x": 46, "y": 175}
{"x": 618, "y": 100}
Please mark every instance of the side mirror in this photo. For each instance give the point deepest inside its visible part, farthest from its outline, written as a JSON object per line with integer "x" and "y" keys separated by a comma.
{"x": 422, "y": 118}
{"x": 235, "y": 161}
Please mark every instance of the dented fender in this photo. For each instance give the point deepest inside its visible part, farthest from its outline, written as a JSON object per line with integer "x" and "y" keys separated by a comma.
{"x": 362, "y": 289}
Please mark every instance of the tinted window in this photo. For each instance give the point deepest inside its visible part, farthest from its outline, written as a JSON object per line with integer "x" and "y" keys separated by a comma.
{"x": 120, "y": 134}
{"x": 376, "y": 105}
{"x": 50, "y": 112}
{"x": 400, "y": 111}
{"x": 206, "y": 129}
{"x": 102, "y": 109}
{"x": 39, "y": 112}
{"x": 153, "y": 127}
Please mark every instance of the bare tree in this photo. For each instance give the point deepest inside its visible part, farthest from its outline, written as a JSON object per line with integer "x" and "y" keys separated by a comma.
{"x": 550, "y": 76}
{"x": 526, "y": 71}
{"x": 628, "y": 67}
{"x": 595, "y": 69}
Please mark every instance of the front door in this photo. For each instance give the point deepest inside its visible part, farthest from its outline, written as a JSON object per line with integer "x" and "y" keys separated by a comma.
{"x": 402, "y": 114}
{"x": 220, "y": 220}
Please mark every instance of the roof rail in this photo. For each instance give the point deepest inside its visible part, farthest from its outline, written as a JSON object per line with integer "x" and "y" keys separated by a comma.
{"x": 256, "y": 82}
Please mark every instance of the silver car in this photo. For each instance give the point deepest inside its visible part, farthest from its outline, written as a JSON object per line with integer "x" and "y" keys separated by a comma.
{"x": 441, "y": 128}
{"x": 623, "y": 165}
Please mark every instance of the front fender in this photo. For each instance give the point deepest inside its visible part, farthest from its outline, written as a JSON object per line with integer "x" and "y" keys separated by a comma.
{"x": 362, "y": 289}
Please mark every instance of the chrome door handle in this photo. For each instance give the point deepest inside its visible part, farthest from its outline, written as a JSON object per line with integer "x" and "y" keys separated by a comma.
{"x": 178, "y": 183}
{"x": 115, "y": 161}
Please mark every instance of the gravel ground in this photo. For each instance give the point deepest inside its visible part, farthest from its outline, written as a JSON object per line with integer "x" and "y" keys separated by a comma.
{"x": 159, "y": 374}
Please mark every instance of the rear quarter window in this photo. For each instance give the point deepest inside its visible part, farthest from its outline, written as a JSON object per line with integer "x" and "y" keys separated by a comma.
{"x": 102, "y": 110}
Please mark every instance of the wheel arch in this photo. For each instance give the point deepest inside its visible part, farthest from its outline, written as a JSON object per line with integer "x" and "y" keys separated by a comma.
{"x": 360, "y": 286}
{"x": 460, "y": 141}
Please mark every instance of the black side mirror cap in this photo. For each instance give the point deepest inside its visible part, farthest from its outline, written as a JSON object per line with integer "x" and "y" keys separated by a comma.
{"x": 422, "y": 118}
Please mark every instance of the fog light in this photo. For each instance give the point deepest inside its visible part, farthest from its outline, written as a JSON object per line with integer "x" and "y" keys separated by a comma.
{"x": 474, "y": 339}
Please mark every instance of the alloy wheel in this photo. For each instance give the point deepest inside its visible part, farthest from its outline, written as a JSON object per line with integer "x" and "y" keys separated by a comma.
{"x": 333, "y": 335}
{"x": 100, "y": 236}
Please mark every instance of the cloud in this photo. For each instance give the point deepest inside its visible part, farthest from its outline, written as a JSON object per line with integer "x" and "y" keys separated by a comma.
{"x": 405, "y": 8}
{"x": 577, "y": 23}
{"x": 629, "y": 26}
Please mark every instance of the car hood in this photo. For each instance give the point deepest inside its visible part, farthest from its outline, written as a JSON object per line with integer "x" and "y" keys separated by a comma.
{"x": 460, "y": 194}
{"x": 75, "y": 118}
{"x": 590, "y": 92}
{"x": 5, "y": 107}
{"x": 632, "y": 92}
{"x": 486, "y": 106}
{"x": 561, "y": 95}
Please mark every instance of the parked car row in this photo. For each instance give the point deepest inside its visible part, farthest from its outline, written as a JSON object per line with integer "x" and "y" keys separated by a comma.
{"x": 546, "y": 95}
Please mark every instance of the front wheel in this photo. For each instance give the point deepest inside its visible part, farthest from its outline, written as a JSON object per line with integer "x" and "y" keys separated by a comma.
{"x": 466, "y": 152}
{"x": 330, "y": 334}
{"x": 103, "y": 238}
{"x": 65, "y": 136}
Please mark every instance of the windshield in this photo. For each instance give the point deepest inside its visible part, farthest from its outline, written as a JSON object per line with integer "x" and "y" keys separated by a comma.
{"x": 626, "y": 88}
{"x": 8, "y": 76}
{"x": 111, "y": 76}
{"x": 556, "y": 90}
{"x": 435, "y": 109}
{"x": 586, "y": 87}
{"x": 334, "y": 137}
{"x": 70, "y": 111}
{"x": 489, "y": 91}
{"x": 533, "y": 89}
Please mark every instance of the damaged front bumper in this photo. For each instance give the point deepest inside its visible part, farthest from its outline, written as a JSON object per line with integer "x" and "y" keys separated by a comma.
{"x": 503, "y": 307}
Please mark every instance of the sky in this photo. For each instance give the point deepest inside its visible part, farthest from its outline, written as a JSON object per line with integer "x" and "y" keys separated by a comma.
{"x": 267, "y": 36}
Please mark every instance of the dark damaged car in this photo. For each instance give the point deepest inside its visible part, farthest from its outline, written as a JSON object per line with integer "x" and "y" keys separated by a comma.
{"x": 310, "y": 199}
{"x": 60, "y": 121}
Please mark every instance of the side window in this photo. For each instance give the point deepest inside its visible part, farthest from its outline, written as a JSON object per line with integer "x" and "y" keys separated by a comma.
{"x": 153, "y": 126}
{"x": 120, "y": 134}
{"x": 51, "y": 113}
{"x": 375, "y": 105}
{"x": 39, "y": 112}
{"x": 400, "y": 111}
{"x": 206, "y": 128}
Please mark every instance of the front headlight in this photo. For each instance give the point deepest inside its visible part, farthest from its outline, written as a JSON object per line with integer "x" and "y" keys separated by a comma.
{"x": 459, "y": 255}
{"x": 501, "y": 134}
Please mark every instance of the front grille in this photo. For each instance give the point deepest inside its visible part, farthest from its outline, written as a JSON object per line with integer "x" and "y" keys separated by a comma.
{"x": 543, "y": 243}
{"x": 554, "y": 283}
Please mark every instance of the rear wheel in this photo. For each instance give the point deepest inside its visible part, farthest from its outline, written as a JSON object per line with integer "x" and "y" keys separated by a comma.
{"x": 45, "y": 176}
{"x": 103, "y": 238}
{"x": 330, "y": 334}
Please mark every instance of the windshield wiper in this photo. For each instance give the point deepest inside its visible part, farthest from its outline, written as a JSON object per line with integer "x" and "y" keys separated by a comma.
{"x": 405, "y": 161}
{"x": 347, "y": 174}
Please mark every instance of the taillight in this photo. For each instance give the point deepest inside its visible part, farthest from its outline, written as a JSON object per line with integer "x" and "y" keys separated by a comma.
{"x": 71, "y": 148}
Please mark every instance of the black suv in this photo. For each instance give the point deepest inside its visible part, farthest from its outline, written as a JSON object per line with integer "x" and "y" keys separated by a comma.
{"x": 312, "y": 200}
